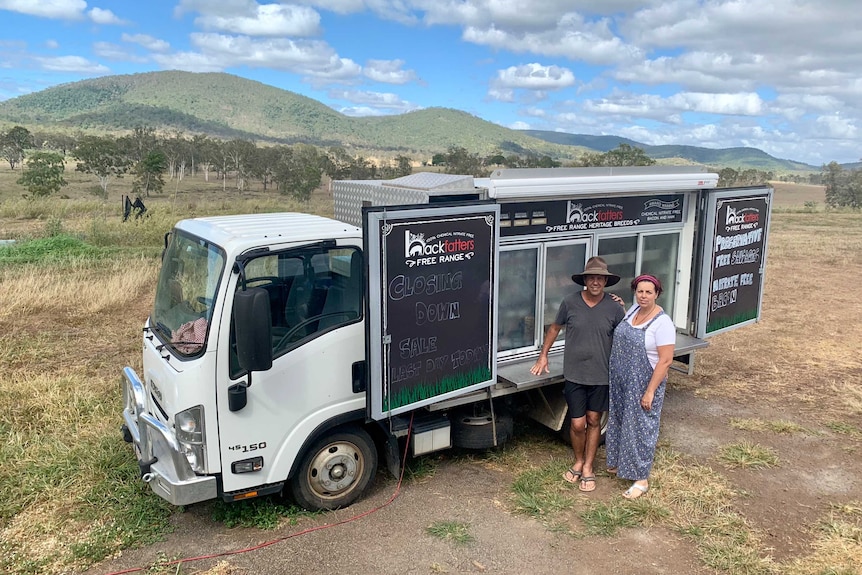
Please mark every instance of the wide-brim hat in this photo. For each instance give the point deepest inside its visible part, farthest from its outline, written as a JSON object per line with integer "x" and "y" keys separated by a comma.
{"x": 596, "y": 266}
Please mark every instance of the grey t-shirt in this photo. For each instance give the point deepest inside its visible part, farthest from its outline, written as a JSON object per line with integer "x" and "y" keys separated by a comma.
{"x": 589, "y": 334}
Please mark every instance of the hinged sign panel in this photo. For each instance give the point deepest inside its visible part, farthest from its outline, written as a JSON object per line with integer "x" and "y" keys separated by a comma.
{"x": 432, "y": 294}
{"x": 731, "y": 284}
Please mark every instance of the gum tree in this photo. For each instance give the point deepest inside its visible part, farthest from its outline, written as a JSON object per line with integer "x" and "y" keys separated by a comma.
{"x": 43, "y": 174}
{"x": 102, "y": 157}
{"x": 13, "y": 143}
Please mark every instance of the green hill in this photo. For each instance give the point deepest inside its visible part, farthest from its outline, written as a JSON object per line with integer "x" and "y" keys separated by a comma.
{"x": 226, "y": 106}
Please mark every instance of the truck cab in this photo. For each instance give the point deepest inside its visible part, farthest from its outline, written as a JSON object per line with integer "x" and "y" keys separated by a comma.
{"x": 200, "y": 429}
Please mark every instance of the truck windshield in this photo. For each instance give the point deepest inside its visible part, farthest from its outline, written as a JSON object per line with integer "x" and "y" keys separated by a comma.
{"x": 188, "y": 281}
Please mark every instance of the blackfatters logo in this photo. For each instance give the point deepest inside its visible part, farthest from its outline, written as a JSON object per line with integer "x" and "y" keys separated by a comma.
{"x": 743, "y": 216}
{"x": 445, "y": 247}
{"x": 575, "y": 213}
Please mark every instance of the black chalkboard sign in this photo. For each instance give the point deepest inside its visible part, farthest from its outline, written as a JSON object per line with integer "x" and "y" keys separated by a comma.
{"x": 432, "y": 296}
{"x": 738, "y": 224}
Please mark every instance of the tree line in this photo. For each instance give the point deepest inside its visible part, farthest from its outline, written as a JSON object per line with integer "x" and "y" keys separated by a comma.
{"x": 151, "y": 158}
{"x": 296, "y": 170}
{"x": 843, "y": 187}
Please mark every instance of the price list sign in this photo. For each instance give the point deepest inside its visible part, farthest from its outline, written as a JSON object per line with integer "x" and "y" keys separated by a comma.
{"x": 736, "y": 257}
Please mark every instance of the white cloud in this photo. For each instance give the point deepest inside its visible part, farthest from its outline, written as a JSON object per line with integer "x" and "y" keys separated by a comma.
{"x": 534, "y": 77}
{"x": 190, "y": 62}
{"x": 52, "y": 44}
{"x": 573, "y": 38}
{"x": 335, "y": 70}
{"x": 265, "y": 20}
{"x": 746, "y": 104}
{"x": 834, "y": 126}
{"x": 501, "y": 94}
{"x": 360, "y": 111}
{"x": 315, "y": 60}
{"x": 114, "y": 52}
{"x": 71, "y": 64}
{"x": 106, "y": 17}
{"x": 519, "y": 125}
{"x": 535, "y": 112}
{"x": 379, "y": 101}
{"x": 147, "y": 41}
{"x": 517, "y": 14}
{"x": 388, "y": 72}
{"x": 59, "y": 9}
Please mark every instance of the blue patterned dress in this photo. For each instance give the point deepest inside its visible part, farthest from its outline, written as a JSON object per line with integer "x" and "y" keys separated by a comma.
{"x": 632, "y": 431}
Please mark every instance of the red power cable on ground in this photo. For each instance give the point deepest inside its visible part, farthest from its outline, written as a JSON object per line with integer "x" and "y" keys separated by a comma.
{"x": 292, "y": 535}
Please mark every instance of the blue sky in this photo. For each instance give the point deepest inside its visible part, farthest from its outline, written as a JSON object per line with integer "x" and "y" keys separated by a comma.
{"x": 784, "y": 76}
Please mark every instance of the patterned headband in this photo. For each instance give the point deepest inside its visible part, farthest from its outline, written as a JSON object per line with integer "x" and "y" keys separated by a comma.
{"x": 647, "y": 278}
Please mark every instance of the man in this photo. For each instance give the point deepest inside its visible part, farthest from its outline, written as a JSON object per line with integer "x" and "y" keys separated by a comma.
{"x": 589, "y": 316}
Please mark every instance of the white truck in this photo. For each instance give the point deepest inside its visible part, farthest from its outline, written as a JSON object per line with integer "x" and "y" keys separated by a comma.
{"x": 292, "y": 352}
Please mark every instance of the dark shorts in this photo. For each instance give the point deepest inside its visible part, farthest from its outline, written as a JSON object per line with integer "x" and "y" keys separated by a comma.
{"x": 583, "y": 398}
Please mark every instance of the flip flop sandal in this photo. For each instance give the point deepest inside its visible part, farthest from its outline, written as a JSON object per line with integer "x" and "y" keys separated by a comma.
{"x": 588, "y": 483}
{"x": 635, "y": 491}
{"x": 576, "y": 475}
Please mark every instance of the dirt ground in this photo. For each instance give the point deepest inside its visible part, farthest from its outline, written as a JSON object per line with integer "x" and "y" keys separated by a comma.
{"x": 800, "y": 365}
{"x": 781, "y": 504}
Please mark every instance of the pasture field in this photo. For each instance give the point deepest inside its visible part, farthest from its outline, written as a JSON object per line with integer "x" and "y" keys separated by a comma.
{"x": 78, "y": 285}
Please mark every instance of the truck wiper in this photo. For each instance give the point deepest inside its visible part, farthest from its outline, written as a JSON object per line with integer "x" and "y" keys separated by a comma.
{"x": 163, "y": 328}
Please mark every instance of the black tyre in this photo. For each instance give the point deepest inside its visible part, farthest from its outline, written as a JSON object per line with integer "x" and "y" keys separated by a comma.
{"x": 335, "y": 471}
{"x": 475, "y": 430}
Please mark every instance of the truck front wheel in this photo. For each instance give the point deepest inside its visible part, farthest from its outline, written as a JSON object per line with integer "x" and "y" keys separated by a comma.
{"x": 336, "y": 470}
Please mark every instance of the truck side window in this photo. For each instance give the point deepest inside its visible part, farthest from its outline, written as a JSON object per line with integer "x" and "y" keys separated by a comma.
{"x": 311, "y": 291}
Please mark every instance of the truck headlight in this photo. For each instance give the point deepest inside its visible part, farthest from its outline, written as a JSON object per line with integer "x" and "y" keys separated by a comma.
{"x": 189, "y": 427}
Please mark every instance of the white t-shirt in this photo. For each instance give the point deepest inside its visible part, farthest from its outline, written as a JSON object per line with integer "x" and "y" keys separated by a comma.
{"x": 660, "y": 332}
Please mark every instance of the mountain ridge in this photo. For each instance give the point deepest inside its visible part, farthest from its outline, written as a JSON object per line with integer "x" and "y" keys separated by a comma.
{"x": 738, "y": 156}
{"x": 228, "y": 106}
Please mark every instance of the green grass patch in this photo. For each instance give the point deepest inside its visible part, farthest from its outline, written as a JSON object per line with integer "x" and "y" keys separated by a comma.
{"x": 748, "y": 455}
{"x": 538, "y": 491}
{"x": 606, "y": 519}
{"x": 51, "y": 249}
{"x": 454, "y": 531}
{"x": 422, "y": 467}
{"x": 778, "y": 426}
{"x": 844, "y": 428}
{"x": 262, "y": 513}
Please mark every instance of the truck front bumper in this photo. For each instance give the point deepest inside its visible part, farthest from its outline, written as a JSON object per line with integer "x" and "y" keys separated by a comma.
{"x": 163, "y": 465}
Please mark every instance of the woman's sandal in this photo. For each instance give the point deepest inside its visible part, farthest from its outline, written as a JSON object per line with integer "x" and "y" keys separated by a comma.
{"x": 635, "y": 491}
{"x": 575, "y": 475}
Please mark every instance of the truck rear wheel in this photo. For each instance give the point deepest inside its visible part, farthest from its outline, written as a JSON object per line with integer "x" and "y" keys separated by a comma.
{"x": 336, "y": 470}
{"x": 475, "y": 429}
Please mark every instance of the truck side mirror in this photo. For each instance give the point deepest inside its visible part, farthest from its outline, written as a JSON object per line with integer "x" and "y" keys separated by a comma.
{"x": 253, "y": 324}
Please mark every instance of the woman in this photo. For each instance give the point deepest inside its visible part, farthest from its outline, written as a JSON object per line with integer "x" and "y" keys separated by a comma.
{"x": 641, "y": 355}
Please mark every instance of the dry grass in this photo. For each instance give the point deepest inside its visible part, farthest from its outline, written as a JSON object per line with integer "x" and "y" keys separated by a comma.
{"x": 798, "y": 195}
{"x": 837, "y": 547}
{"x": 67, "y": 329}
{"x": 68, "y": 484}
{"x": 804, "y": 351}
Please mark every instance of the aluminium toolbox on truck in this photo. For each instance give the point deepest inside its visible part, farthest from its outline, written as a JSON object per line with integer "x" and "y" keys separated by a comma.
{"x": 706, "y": 244}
